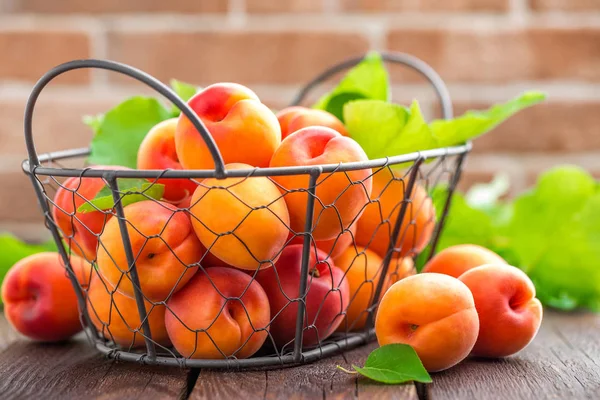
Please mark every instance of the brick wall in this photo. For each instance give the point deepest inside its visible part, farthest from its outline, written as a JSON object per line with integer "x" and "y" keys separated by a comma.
{"x": 486, "y": 50}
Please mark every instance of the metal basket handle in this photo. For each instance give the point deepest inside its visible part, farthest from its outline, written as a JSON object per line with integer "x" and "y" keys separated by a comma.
{"x": 393, "y": 57}
{"x": 125, "y": 70}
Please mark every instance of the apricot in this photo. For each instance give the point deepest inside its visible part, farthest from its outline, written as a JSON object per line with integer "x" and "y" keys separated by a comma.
{"x": 363, "y": 270}
{"x": 39, "y": 299}
{"x": 376, "y": 225}
{"x": 341, "y": 195}
{"x": 327, "y": 296}
{"x": 509, "y": 314}
{"x": 243, "y": 221}
{"x": 157, "y": 151}
{"x": 332, "y": 247}
{"x": 220, "y": 313}
{"x": 164, "y": 245}
{"x": 117, "y": 318}
{"x": 400, "y": 268}
{"x": 456, "y": 260}
{"x": 295, "y": 118}
{"x": 244, "y": 129}
{"x": 80, "y": 230}
{"x": 434, "y": 313}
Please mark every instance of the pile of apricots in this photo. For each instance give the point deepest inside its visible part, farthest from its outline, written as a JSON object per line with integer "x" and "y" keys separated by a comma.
{"x": 219, "y": 261}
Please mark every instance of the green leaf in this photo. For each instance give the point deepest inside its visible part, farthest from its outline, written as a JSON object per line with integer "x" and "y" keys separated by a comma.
{"x": 184, "y": 90}
{"x": 119, "y": 133}
{"x": 131, "y": 191}
{"x": 374, "y": 134}
{"x": 13, "y": 250}
{"x": 485, "y": 196}
{"x": 394, "y": 364}
{"x": 367, "y": 80}
{"x": 475, "y": 123}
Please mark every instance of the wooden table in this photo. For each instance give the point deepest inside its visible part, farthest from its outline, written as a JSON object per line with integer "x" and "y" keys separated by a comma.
{"x": 562, "y": 363}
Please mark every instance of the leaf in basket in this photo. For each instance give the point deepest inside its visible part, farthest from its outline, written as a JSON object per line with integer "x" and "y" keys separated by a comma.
{"x": 394, "y": 364}
{"x": 183, "y": 90}
{"x": 386, "y": 129}
{"x": 119, "y": 133}
{"x": 367, "y": 80}
{"x": 476, "y": 123}
{"x": 131, "y": 191}
{"x": 14, "y": 250}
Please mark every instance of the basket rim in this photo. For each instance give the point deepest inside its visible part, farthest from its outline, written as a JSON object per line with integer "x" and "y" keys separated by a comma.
{"x": 213, "y": 173}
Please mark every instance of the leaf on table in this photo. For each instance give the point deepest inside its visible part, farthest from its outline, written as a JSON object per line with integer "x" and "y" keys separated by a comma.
{"x": 131, "y": 191}
{"x": 555, "y": 233}
{"x": 13, "y": 250}
{"x": 119, "y": 132}
{"x": 184, "y": 90}
{"x": 475, "y": 123}
{"x": 367, "y": 80}
{"x": 394, "y": 364}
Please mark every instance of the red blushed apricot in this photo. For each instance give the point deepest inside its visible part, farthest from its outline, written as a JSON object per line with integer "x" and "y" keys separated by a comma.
{"x": 295, "y": 118}
{"x": 332, "y": 247}
{"x": 117, "y": 318}
{"x": 163, "y": 243}
{"x": 341, "y": 195}
{"x": 363, "y": 270}
{"x": 243, "y": 221}
{"x": 434, "y": 313}
{"x": 203, "y": 323}
{"x": 244, "y": 129}
{"x": 326, "y": 299}
{"x": 457, "y": 260}
{"x": 80, "y": 230}
{"x": 157, "y": 151}
{"x": 509, "y": 314}
{"x": 39, "y": 299}
{"x": 376, "y": 225}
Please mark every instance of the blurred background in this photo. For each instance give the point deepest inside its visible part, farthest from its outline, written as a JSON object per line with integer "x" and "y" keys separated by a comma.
{"x": 486, "y": 50}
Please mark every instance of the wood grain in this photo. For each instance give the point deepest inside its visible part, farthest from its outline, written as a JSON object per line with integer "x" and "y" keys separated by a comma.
{"x": 7, "y": 333}
{"x": 230, "y": 385}
{"x": 76, "y": 370}
{"x": 563, "y": 362}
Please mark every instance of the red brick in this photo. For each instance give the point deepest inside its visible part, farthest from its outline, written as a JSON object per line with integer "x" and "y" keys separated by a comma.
{"x": 565, "y": 5}
{"x": 425, "y": 5}
{"x": 246, "y": 58}
{"x": 270, "y": 6}
{"x": 57, "y": 124}
{"x": 501, "y": 56}
{"x": 27, "y": 55}
{"x": 120, "y": 6}
{"x": 556, "y": 127}
{"x": 18, "y": 201}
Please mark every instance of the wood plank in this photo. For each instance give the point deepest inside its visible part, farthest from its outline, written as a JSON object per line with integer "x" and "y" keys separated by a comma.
{"x": 563, "y": 362}
{"x": 212, "y": 384}
{"x": 76, "y": 370}
{"x": 7, "y": 333}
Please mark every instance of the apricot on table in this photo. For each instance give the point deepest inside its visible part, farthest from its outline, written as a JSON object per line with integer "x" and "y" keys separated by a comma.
{"x": 39, "y": 300}
{"x": 434, "y": 313}
{"x": 164, "y": 245}
{"x": 509, "y": 313}
{"x": 376, "y": 225}
{"x": 220, "y": 313}
{"x": 363, "y": 270}
{"x": 456, "y": 260}
{"x": 244, "y": 129}
{"x": 341, "y": 195}
{"x": 117, "y": 318}
{"x": 326, "y": 297}
{"x": 295, "y": 118}
{"x": 242, "y": 221}
{"x": 157, "y": 151}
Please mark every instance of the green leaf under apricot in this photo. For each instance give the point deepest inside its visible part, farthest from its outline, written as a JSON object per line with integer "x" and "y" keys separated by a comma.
{"x": 393, "y": 364}
{"x": 131, "y": 191}
{"x": 367, "y": 80}
{"x": 119, "y": 132}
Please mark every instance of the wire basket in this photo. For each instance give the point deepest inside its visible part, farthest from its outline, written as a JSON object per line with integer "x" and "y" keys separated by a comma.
{"x": 155, "y": 290}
